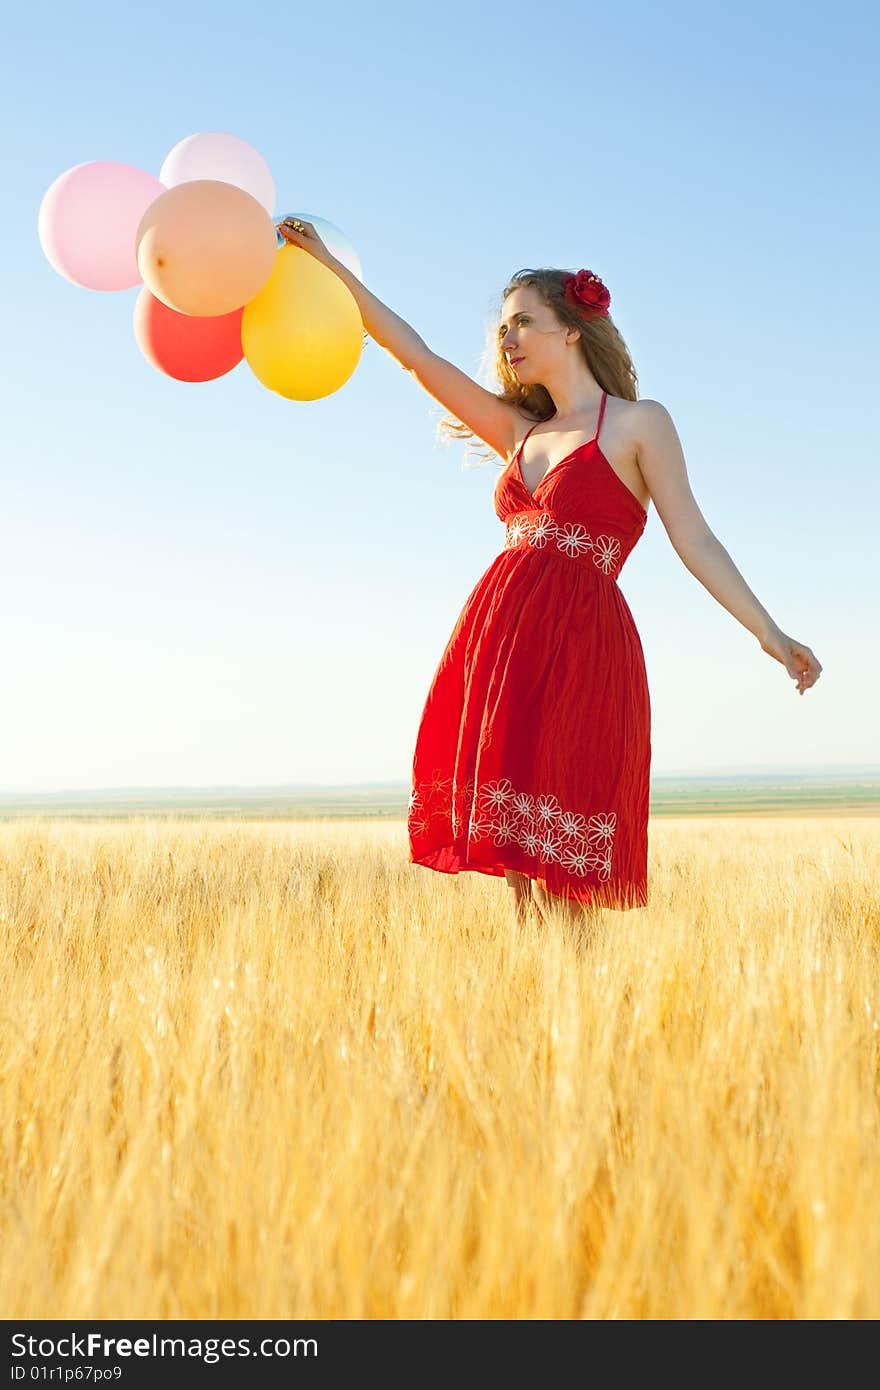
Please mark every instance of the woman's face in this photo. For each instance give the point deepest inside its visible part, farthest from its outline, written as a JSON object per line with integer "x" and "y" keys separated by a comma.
{"x": 530, "y": 331}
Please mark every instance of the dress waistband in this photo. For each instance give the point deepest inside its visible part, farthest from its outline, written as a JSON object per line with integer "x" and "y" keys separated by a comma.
{"x": 539, "y": 528}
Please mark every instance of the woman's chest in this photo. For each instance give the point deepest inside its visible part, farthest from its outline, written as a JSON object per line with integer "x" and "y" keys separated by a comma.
{"x": 617, "y": 450}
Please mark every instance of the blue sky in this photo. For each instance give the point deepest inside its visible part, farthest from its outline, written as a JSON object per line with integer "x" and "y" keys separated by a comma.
{"x": 207, "y": 584}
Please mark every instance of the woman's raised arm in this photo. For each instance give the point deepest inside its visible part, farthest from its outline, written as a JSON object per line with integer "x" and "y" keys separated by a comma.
{"x": 496, "y": 423}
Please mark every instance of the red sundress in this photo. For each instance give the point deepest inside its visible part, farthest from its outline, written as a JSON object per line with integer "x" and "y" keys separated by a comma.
{"x": 533, "y": 751}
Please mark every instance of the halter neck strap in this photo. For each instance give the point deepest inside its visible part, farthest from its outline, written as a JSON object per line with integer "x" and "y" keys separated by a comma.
{"x": 525, "y": 437}
{"x": 538, "y": 422}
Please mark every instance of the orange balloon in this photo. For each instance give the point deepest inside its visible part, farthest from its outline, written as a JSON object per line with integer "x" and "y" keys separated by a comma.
{"x": 206, "y": 247}
{"x": 185, "y": 347}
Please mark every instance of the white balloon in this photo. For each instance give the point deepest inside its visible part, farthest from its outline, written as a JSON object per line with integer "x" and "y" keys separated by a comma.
{"x": 215, "y": 155}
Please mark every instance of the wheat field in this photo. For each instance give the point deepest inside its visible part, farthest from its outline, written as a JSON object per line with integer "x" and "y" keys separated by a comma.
{"x": 273, "y": 1070}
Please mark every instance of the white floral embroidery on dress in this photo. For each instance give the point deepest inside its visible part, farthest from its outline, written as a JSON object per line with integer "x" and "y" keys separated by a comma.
{"x": 506, "y": 815}
{"x": 571, "y": 538}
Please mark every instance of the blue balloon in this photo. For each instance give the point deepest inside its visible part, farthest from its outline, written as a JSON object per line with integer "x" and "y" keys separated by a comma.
{"x": 333, "y": 238}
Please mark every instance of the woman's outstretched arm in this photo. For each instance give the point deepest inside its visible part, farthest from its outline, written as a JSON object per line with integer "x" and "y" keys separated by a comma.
{"x": 388, "y": 329}
{"x": 662, "y": 464}
{"x": 491, "y": 419}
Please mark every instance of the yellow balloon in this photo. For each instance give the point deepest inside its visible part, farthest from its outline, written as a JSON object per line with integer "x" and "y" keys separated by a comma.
{"x": 302, "y": 333}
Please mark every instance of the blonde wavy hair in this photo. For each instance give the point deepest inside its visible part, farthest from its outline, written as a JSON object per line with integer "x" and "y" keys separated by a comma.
{"x": 603, "y": 348}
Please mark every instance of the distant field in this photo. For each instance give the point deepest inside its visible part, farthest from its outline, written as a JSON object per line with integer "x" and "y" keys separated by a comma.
{"x": 740, "y": 795}
{"x": 273, "y": 1070}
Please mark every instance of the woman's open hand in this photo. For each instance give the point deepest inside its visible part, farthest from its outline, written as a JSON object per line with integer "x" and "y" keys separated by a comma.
{"x": 307, "y": 239}
{"x": 798, "y": 660}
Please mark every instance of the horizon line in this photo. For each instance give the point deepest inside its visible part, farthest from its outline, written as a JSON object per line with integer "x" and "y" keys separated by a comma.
{"x": 718, "y": 770}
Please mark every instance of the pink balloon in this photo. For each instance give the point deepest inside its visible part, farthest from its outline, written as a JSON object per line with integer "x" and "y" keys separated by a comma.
{"x": 88, "y": 220}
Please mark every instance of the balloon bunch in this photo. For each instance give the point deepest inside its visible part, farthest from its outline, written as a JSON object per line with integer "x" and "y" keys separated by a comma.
{"x": 220, "y": 283}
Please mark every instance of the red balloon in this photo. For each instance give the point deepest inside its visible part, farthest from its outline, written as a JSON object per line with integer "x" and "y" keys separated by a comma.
{"x": 184, "y": 346}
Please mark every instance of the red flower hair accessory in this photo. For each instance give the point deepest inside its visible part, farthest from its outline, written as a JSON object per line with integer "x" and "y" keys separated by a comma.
{"x": 586, "y": 291}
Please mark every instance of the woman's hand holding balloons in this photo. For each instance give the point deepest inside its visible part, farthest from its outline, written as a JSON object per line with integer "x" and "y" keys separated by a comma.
{"x": 297, "y": 232}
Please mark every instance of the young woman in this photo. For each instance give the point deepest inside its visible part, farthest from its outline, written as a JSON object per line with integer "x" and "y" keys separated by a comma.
{"x": 533, "y": 754}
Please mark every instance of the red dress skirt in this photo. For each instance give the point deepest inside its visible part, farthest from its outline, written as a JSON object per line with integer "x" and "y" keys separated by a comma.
{"x": 533, "y": 751}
